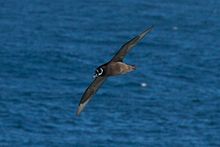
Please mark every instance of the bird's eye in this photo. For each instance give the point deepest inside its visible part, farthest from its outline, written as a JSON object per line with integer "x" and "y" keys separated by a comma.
{"x": 99, "y": 71}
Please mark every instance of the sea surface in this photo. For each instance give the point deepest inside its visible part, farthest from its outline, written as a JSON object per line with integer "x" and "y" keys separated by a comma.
{"x": 49, "y": 51}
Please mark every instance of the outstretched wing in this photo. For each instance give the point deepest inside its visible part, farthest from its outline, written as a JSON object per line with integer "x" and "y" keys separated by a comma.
{"x": 90, "y": 91}
{"x": 128, "y": 46}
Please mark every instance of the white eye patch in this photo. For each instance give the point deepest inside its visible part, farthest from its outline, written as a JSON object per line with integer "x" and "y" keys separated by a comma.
{"x": 100, "y": 72}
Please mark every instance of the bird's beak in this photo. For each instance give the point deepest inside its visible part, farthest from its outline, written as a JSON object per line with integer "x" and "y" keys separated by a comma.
{"x": 95, "y": 76}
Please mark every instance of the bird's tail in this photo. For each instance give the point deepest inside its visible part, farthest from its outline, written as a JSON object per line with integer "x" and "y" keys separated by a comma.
{"x": 131, "y": 67}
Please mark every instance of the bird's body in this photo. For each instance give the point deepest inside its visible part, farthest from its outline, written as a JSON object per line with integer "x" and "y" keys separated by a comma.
{"x": 114, "y": 67}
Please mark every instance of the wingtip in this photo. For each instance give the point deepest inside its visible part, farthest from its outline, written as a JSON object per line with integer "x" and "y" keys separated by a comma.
{"x": 152, "y": 26}
{"x": 79, "y": 110}
{"x": 81, "y": 107}
{"x": 149, "y": 29}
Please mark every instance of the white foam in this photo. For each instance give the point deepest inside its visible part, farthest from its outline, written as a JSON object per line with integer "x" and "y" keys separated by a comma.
{"x": 175, "y": 28}
{"x": 143, "y": 84}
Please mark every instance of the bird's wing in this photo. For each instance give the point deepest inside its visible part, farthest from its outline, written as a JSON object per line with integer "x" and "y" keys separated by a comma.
{"x": 90, "y": 91}
{"x": 119, "y": 56}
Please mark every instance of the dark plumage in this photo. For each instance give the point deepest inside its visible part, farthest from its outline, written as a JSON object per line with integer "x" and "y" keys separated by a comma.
{"x": 114, "y": 67}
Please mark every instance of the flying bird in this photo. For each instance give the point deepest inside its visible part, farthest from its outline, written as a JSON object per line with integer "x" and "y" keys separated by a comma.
{"x": 114, "y": 67}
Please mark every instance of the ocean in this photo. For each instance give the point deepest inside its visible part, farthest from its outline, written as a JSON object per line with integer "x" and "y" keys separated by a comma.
{"x": 49, "y": 51}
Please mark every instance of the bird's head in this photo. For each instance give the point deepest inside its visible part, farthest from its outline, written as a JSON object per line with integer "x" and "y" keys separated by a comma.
{"x": 99, "y": 72}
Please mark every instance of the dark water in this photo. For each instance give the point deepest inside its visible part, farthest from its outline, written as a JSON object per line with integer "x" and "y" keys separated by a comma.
{"x": 49, "y": 50}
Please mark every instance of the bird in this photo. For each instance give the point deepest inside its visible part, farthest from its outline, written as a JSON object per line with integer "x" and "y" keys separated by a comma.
{"x": 114, "y": 67}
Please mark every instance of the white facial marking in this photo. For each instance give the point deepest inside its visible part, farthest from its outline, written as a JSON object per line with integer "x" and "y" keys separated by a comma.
{"x": 100, "y": 73}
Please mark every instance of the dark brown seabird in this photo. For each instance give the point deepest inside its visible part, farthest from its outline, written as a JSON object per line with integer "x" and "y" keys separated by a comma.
{"x": 114, "y": 67}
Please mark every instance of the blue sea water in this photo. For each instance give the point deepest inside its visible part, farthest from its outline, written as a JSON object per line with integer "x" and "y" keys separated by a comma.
{"x": 50, "y": 49}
